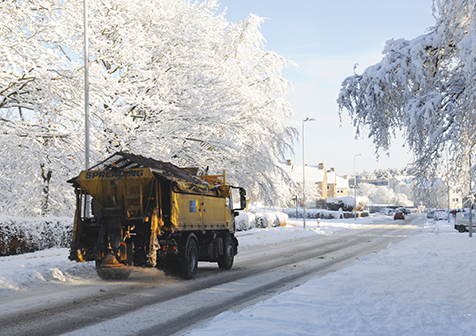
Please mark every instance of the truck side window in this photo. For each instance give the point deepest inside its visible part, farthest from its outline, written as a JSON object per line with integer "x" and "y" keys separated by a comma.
{"x": 192, "y": 206}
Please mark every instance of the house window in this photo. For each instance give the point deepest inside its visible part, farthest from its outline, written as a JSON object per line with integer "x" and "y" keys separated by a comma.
{"x": 328, "y": 187}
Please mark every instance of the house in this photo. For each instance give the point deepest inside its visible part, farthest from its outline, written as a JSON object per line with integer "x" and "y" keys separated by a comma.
{"x": 435, "y": 193}
{"x": 375, "y": 182}
{"x": 320, "y": 183}
{"x": 319, "y": 176}
{"x": 455, "y": 198}
{"x": 336, "y": 186}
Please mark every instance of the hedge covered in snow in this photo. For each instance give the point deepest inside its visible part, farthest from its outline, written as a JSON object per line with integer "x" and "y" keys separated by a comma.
{"x": 260, "y": 218}
{"x": 21, "y": 235}
{"x": 323, "y": 213}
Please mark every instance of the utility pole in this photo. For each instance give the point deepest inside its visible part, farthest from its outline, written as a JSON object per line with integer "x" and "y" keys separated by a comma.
{"x": 304, "y": 174}
{"x": 86, "y": 86}
{"x": 355, "y": 189}
{"x": 86, "y": 98}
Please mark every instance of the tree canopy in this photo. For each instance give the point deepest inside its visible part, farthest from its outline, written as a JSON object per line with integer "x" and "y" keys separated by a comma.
{"x": 169, "y": 79}
{"x": 424, "y": 88}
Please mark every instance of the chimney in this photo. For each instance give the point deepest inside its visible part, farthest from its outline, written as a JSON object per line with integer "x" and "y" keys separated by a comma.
{"x": 321, "y": 165}
{"x": 345, "y": 177}
{"x": 332, "y": 169}
{"x": 289, "y": 162}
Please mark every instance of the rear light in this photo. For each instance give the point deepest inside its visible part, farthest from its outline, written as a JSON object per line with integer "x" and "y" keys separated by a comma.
{"x": 169, "y": 248}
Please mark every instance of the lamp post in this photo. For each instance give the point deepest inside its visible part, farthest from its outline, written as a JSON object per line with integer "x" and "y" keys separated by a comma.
{"x": 471, "y": 196}
{"x": 355, "y": 189}
{"x": 448, "y": 184}
{"x": 86, "y": 86}
{"x": 304, "y": 174}
{"x": 86, "y": 97}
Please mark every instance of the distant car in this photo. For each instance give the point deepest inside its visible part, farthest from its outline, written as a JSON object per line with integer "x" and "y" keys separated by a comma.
{"x": 399, "y": 215}
{"x": 437, "y": 214}
{"x": 405, "y": 211}
{"x": 387, "y": 211}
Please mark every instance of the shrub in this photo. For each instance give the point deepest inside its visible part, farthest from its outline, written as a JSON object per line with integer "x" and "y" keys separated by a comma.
{"x": 245, "y": 221}
{"x": 23, "y": 235}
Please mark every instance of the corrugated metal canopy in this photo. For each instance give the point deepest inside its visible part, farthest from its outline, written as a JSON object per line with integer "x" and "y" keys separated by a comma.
{"x": 167, "y": 170}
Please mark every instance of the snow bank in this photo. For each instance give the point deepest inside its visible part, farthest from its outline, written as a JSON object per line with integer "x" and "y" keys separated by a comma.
{"x": 421, "y": 286}
{"x": 268, "y": 236}
{"x": 33, "y": 271}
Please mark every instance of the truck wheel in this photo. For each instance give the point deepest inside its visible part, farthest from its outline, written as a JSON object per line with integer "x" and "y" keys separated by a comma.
{"x": 225, "y": 261}
{"x": 107, "y": 273}
{"x": 169, "y": 265}
{"x": 190, "y": 259}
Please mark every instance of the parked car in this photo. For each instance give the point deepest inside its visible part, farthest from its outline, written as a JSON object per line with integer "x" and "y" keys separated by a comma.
{"x": 405, "y": 211}
{"x": 388, "y": 211}
{"x": 462, "y": 221}
{"x": 437, "y": 214}
{"x": 399, "y": 215}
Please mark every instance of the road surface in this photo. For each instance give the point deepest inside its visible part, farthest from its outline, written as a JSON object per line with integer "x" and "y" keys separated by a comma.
{"x": 151, "y": 303}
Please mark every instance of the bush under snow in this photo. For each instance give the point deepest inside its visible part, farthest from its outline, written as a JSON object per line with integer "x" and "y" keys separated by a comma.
{"x": 245, "y": 221}
{"x": 22, "y": 235}
{"x": 260, "y": 218}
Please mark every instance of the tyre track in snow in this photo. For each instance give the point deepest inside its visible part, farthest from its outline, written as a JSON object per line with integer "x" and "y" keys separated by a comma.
{"x": 159, "y": 305}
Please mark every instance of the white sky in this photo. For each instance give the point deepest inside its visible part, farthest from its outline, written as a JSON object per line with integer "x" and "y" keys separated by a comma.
{"x": 326, "y": 38}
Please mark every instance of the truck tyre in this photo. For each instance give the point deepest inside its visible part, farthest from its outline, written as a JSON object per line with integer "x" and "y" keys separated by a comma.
{"x": 225, "y": 261}
{"x": 169, "y": 265}
{"x": 189, "y": 261}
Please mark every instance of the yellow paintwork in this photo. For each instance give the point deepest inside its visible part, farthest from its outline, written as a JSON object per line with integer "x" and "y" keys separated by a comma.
{"x": 205, "y": 213}
{"x": 193, "y": 207}
{"x": 112, "y": 189}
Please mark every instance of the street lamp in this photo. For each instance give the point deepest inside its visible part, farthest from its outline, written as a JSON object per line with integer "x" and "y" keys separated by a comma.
{"x": 471, "y": 196}
{"x": 86, "y": 86}
{"x": 86, "y": 97}
{"x": 304, "y": 174}
{"x": 355, "y": 189}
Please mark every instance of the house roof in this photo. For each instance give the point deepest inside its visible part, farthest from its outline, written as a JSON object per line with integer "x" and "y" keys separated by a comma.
{"x": 331, "y": 177}
{"x": 342, "y": 183}
{"x": 313, "y": 174}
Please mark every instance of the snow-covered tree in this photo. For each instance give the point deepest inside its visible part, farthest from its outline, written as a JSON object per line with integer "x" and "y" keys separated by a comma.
{"x": 381, "y": 195}
{"x": 423, "y": 87}
{"x": 170, "y": 79}
{"x": 38, "y": 82}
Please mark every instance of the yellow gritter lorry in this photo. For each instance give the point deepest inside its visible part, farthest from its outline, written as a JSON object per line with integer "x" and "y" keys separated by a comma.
{"x": 137, "y": 211}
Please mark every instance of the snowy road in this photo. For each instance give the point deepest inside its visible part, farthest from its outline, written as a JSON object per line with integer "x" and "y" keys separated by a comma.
{"x": 150, "y": 303}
